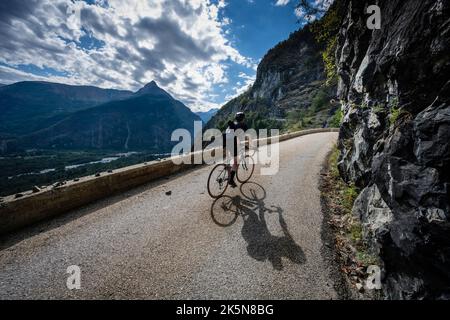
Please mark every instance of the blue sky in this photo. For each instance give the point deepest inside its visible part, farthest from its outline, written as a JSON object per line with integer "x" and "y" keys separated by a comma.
{"x": 255, "y": 27}
{"x": 203, "y": 52}
{"x": 258, "y": 25}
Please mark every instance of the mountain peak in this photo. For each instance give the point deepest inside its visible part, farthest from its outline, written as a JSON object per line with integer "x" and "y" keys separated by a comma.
{"x": 152, "y": 89}
{"x": 151, "y": 84}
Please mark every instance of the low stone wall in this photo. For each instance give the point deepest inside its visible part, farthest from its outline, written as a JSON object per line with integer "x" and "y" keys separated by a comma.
{"x": 16, "y": 213}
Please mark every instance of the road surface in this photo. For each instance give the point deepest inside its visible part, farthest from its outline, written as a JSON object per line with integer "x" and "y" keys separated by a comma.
{"x": 170, "y": 240}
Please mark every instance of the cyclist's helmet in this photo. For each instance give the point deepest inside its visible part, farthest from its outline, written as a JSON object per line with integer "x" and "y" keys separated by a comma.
{"x": 240, "y": 116}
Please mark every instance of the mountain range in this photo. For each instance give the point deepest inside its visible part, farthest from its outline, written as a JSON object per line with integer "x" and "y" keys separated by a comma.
{"x": 207, "y": 115}
{"x": 55, "y": 116}
{"x": 30, "y": 106}
{"x": 290, "y": 92}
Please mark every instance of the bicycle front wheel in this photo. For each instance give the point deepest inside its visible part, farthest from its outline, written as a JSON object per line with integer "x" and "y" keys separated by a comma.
{"x": 245, "y": 169}
{"x": 218, "y": 181}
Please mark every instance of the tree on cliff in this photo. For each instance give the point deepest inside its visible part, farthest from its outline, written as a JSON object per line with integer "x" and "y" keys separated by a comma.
{"x": 310, "y": 10}
{"x": 325, "y": 30}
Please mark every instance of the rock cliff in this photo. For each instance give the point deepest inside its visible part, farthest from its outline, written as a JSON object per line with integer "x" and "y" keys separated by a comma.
{"x": 289, "y": 78}
{"x": 394, "y": 140}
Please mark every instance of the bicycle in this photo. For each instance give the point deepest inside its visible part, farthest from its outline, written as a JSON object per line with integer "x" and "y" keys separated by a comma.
{"x": 218, "y": 177}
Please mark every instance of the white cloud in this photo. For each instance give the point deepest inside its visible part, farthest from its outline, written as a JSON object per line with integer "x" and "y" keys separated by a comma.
{"x": 281, "y": 2}
{"x": 11, "y": 75}
{"x": 321, "y": 5}
{"x": 246, "y": 76}
{"x": 240, "y": 87}
{"x": 181, "y": 44}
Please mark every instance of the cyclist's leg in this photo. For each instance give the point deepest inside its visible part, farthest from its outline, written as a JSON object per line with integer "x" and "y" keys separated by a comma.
{"x": 235, "y": 163}
{"x": 236, "y": 153}
{"x": 226, "y": 147}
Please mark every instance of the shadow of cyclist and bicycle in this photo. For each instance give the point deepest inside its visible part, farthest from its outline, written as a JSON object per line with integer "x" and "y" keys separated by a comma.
{"x": 261, "y": 244}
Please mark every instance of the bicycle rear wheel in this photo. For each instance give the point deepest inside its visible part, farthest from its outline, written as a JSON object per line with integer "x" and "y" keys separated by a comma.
{"x": 245, "y": 169}
{"x": 218, "y": 181}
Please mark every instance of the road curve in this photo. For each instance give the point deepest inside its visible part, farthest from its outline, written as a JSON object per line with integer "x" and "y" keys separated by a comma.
{"x": 261, "y": 241}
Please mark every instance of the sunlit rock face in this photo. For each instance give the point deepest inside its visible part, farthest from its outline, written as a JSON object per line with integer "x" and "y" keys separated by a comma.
{"x": 394, "y": 139}
{"x": 288, "y": 78}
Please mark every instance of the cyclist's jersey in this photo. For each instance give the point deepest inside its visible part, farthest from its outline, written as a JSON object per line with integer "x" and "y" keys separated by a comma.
{"x": 242, "y": 126}
{"x": 230, "y": 138}
{"x": 233, "y": 127}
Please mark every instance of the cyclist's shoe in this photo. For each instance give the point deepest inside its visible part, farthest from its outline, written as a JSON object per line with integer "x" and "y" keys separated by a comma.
{"x": 231, "y": 179}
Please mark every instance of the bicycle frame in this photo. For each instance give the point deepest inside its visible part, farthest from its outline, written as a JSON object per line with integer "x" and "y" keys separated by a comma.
{"x": 240, "y": 156}
{"x": 224, "y": 170}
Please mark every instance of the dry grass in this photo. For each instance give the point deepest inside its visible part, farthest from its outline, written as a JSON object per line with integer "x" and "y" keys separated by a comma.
{"x": 351, "y": 248}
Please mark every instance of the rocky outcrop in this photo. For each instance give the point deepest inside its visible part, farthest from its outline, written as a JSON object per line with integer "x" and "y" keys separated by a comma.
{"x": 288, "y": 78}
{"x": 395, "y": 136}
{"x": 289, "y": 72}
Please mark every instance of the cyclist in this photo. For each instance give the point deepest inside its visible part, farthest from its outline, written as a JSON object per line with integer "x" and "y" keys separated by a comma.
{"x": 231, "y": 142}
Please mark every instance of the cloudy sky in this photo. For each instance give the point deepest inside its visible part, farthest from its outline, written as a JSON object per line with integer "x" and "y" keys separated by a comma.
{"x": 202, "y": 51}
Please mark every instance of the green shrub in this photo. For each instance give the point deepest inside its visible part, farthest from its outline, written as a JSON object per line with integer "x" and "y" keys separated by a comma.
{"x": 320, "y": 101}
{"x": 244, "y": 101}
{"x": 350, "y": 195}
{"x": 364, "y": 105}
{"x": 379, "y": 108}
{"x": 395, "y": 113}
{"x": 337, "y": 119}
{"x": 328, "y": 56}
{"x": 325, "y": 32}
{"x": 333, "y": 163}
{"x": 356, "y": 232}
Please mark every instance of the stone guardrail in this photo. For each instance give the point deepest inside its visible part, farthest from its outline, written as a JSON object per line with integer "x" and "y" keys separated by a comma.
{"x": 32, "y": 207}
